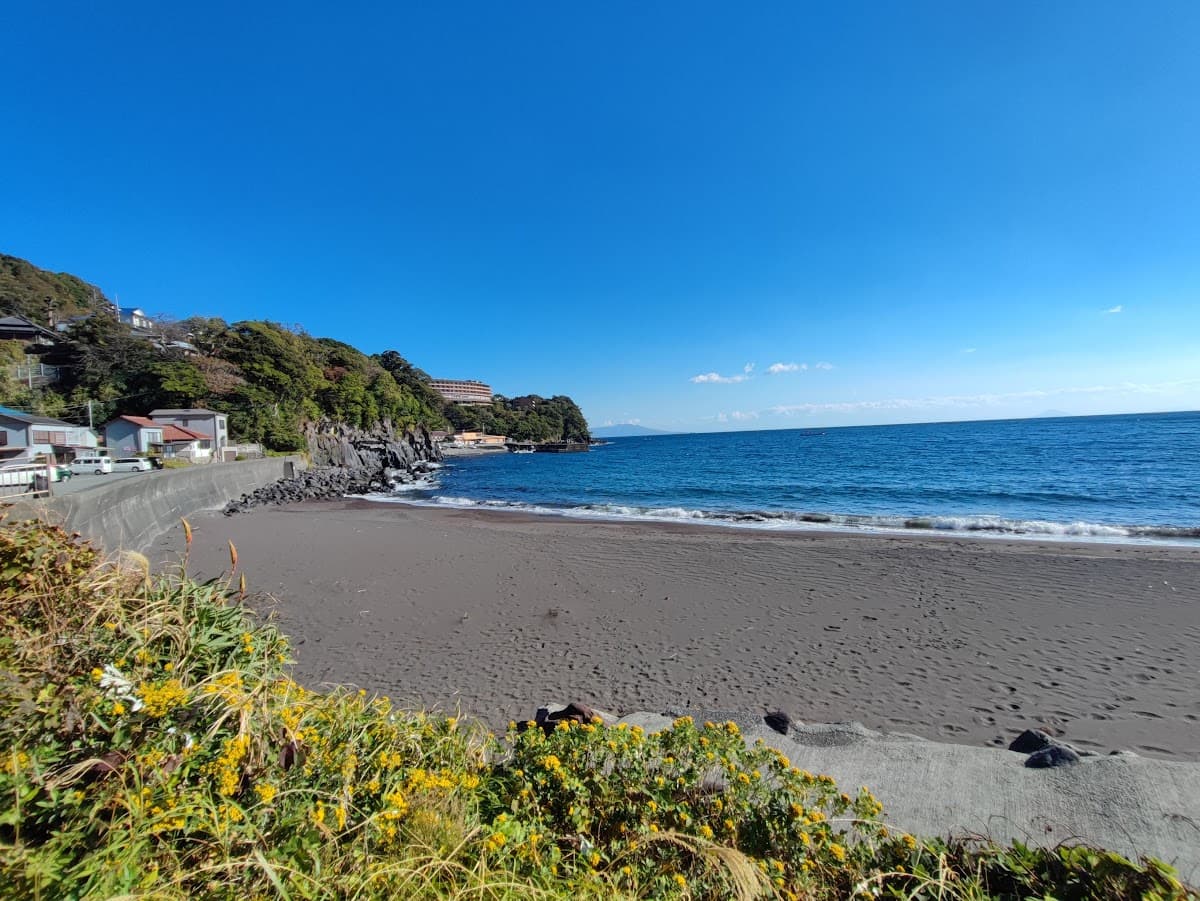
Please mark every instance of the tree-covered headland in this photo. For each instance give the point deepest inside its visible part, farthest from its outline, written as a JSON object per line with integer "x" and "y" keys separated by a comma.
{"x": 269, "y": 378}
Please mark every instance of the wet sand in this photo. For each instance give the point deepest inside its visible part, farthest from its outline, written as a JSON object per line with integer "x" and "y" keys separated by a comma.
{"x": 954, "y": 639}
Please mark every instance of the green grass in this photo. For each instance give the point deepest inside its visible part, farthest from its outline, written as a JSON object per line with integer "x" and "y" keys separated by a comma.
{"x": 153, "y": 745}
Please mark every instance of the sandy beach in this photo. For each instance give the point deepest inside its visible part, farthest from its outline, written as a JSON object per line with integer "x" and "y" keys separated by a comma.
{"x": 953, "y": 639}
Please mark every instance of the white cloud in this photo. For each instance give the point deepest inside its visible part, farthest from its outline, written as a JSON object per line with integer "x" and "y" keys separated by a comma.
{"x": 737, "y": 416}
{"x": 748, "y": 368}
{"x": 822, "y": 365}
{"x": 980, "y": 400}
{"x": 718, "y": 379}
{"x": 968, "y": 350}
{"x": 1117, "y": 309}
{"x": 776, "y": 368}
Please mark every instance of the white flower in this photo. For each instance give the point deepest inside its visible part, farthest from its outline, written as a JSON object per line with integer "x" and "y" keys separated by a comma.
{"x": 116, "y": 686}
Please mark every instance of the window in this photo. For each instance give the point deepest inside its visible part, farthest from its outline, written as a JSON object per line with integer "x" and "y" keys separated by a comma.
{"x": 44, "y": 436}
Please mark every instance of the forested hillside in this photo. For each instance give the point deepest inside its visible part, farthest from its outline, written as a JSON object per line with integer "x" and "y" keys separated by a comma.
{"x": 528, "y": 418}
{"x": 268, "y": 377}
{"x": 38, "y": 294}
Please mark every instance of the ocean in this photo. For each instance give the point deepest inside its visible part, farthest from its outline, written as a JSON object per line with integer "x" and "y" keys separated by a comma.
{"x": 1109, "y": 478}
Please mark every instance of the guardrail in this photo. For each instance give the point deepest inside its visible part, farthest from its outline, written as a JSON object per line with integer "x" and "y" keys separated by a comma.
{"x": 24, "y": 481}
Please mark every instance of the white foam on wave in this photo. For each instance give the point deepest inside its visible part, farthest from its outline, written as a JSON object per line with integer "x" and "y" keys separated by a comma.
{"x": 978, "y": 526}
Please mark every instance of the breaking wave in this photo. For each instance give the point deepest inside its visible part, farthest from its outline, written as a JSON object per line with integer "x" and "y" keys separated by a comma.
{"x": 980, "y": 525}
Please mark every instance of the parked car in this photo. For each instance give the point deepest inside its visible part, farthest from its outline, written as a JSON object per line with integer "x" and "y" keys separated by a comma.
{"x": 97, "y": 465}
{"x": 131, "y": 464}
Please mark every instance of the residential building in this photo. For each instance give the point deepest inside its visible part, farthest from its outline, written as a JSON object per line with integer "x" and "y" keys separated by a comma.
{"x": 205, "y": 423}
{"x": 25, "y": 436}
{"x": 463, "y": 392}
{"x": 478, "y": 439}
{"x": 184, "y": 444}
{"x": 18, "y": 328}
{"x": 127, "y": 435}
{"x": 135, "y": 318}
{"x": 32, "y": 372}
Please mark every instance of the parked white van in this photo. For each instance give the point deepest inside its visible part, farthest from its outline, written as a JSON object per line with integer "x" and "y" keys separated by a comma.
{"x": 131, "y": 464}
{"x": 97, "y": 465}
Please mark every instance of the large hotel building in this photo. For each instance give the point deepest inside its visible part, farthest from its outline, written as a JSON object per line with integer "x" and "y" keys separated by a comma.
{"x": 463, "y": 392}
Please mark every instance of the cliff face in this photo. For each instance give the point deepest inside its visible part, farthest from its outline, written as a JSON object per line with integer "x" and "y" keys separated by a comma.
{"x": 378, "y": 452}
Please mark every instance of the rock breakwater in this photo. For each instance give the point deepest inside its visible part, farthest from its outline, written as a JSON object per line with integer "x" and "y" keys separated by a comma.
{"x": 347, "y": 460}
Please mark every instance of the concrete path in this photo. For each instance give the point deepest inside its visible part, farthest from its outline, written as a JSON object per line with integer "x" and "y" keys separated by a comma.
{"x": 1133, "y": 805}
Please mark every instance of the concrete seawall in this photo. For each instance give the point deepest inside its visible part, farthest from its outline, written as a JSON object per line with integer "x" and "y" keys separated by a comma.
{"x": 132, "y": 513}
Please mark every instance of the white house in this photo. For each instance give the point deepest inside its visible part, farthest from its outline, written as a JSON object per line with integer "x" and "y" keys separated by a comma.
{"x": 135, "y": 317}
{"x": 184, "y": 444}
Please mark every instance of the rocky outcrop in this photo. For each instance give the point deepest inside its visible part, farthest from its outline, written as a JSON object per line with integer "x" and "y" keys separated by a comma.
{"x": 372, "y": 451}
{"x": 347, "y": 460}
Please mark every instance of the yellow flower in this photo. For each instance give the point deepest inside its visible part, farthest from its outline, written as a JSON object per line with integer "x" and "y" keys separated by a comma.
{"x": 838, "y": 852}
{"x": 706, "y": 831}
{"x": 97, "y": 674}
{"x": 909, "y": 842}
{"x": 118, "y": 708}
{"x": 680, "y": 880}
{"x": 266, "y": 792}
{"x": 159, "y": 700}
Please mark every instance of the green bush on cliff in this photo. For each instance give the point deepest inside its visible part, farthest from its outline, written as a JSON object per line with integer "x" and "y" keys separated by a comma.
{"x": 152, "y": 745}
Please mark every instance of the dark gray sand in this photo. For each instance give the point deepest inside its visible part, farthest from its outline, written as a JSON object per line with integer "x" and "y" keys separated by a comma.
{"x": 953, "y": 639}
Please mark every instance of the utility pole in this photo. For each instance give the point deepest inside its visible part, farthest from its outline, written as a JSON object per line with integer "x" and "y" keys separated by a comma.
{"x": 90, "y": 415}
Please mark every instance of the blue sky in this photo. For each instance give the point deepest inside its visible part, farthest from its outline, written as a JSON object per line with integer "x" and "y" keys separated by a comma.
{"x": 931, "y": 210}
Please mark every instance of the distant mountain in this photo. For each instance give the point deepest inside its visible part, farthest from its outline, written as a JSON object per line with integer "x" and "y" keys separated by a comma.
{"x": 624, "y": 430}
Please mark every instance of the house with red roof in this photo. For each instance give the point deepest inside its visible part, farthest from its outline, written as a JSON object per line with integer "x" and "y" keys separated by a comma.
{"x": 128, "y": 435}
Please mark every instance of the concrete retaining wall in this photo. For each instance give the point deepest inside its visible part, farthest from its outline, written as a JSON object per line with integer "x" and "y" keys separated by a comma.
{"x": 132, "y": 513}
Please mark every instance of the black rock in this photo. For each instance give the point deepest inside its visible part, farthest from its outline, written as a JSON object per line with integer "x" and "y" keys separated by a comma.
{"x": 1031, "y": 740}
{"x": 1055, "y": 755}
{"x": 779, "y": 721}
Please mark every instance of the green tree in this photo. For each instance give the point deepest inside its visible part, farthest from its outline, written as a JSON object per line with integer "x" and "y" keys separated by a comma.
{"x": 181, "y": 384}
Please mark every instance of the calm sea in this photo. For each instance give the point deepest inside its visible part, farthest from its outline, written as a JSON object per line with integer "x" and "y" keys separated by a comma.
{"x": 1134, "y": 477}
